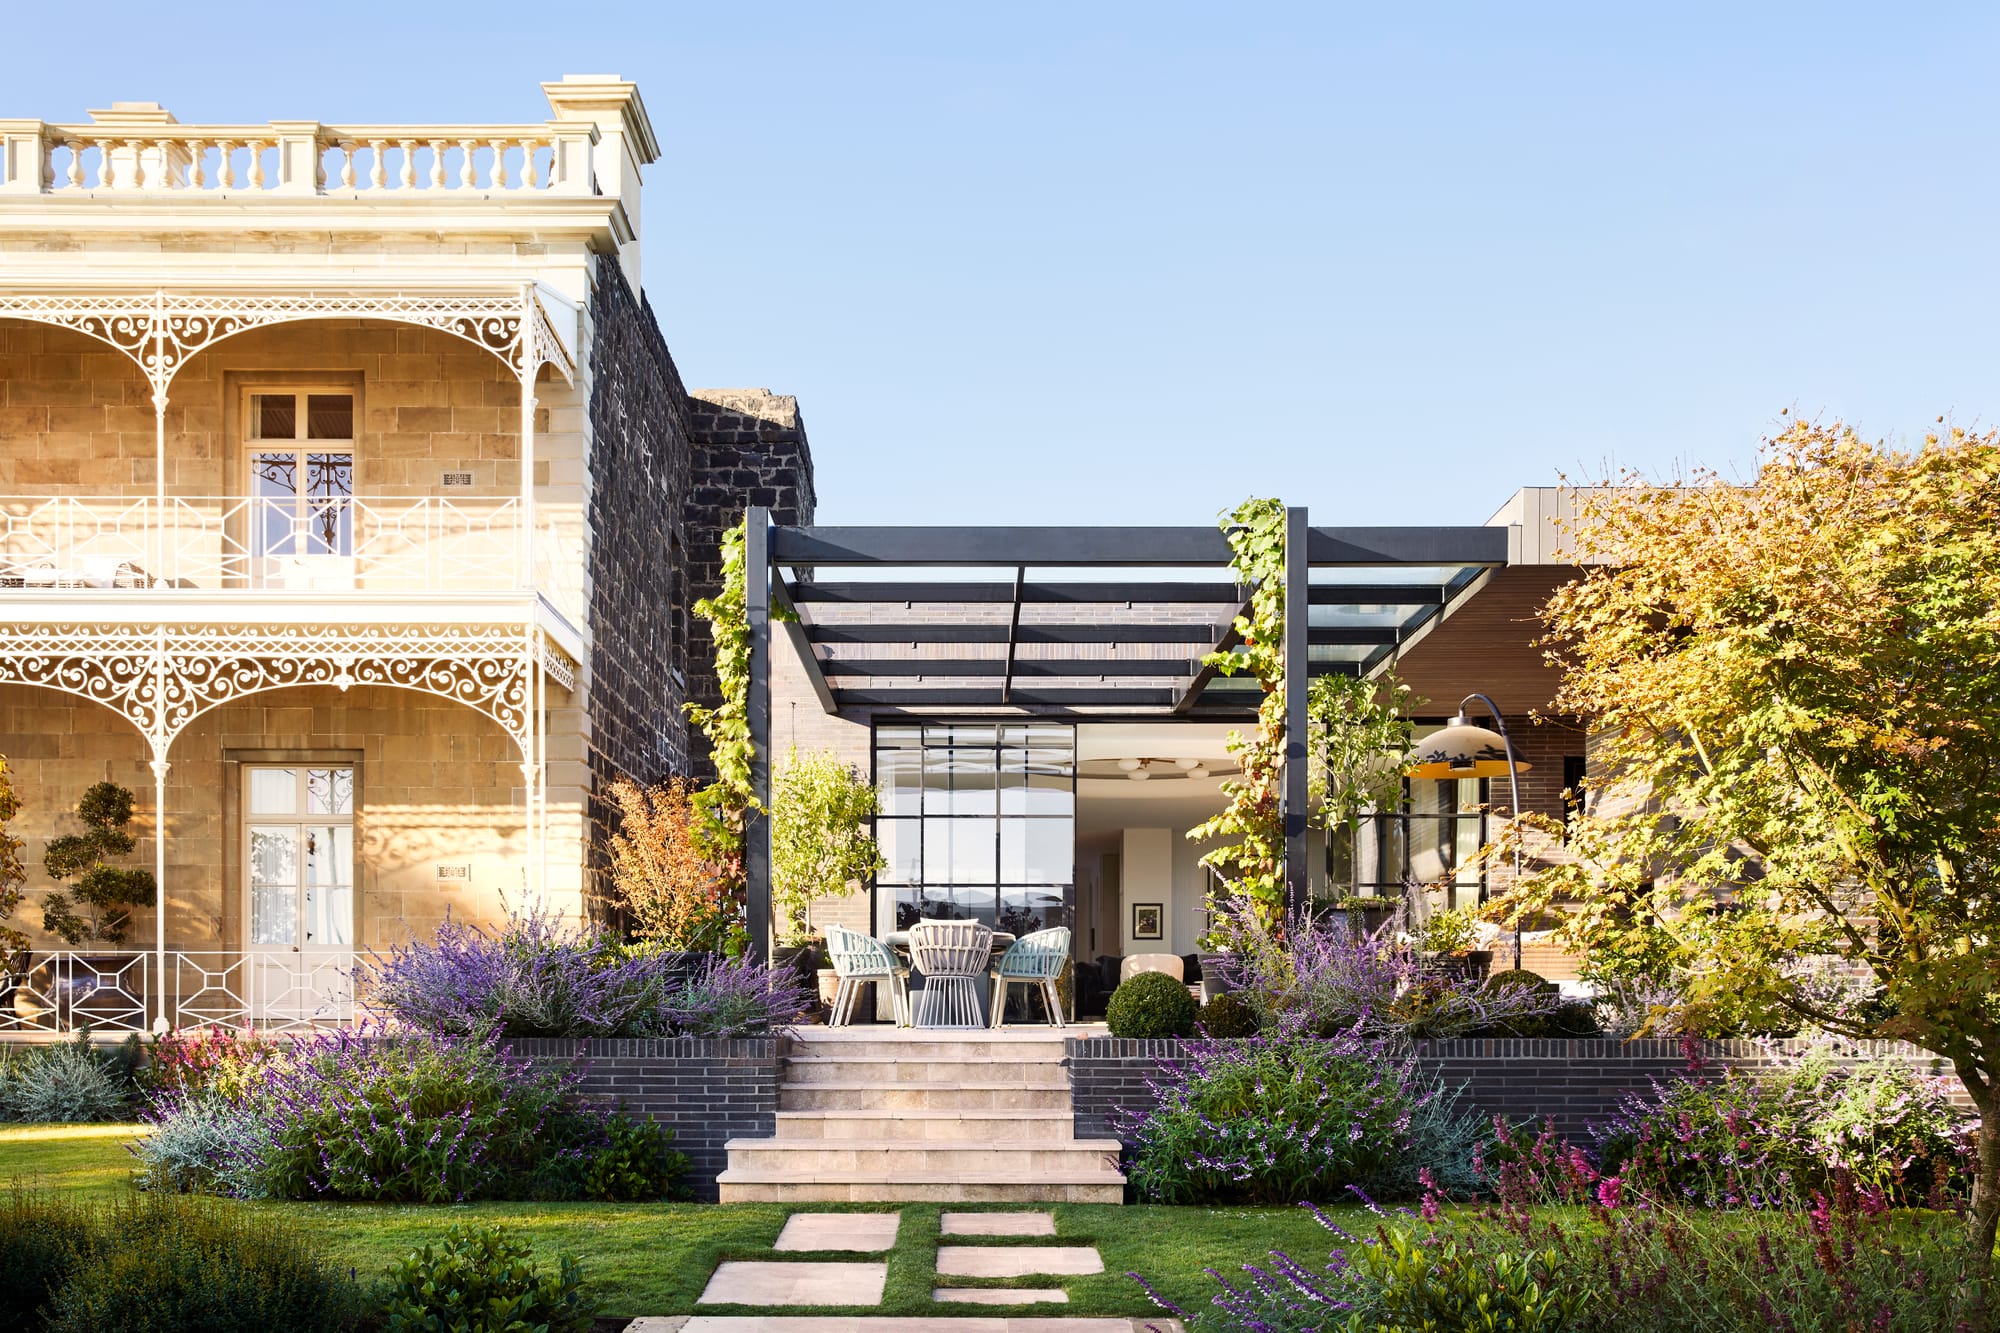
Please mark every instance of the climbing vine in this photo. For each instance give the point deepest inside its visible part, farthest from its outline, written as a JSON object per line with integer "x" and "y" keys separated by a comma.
{"x": 1251, "y": 863}
{"x": 725, "y": 804}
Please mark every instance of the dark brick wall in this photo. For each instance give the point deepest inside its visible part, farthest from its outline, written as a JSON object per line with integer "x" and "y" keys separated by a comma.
{"x": 749, "y": 449}
{"x": 1571, "y": 1082}
{"x": 707, "y": 1092}
{"x": 640, "y": 460}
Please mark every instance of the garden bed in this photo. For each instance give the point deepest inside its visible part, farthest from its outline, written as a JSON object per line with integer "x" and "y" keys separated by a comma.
{"x": 1573, "y": 1082}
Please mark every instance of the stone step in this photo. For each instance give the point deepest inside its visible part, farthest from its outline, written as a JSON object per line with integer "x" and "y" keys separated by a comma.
{"x": 878, "y": 1159}
{"x": 741, "y": 1185}
{"x": 900, "y": 1068}
{"x": 904, "y": 1125}
{"x": 965, "y": 1095}
{"x": 919, "y": 1048}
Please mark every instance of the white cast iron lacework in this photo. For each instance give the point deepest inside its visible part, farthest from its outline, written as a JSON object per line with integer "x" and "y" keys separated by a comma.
{"x": 160, "y": 679}
{"x": 162, "y": 330}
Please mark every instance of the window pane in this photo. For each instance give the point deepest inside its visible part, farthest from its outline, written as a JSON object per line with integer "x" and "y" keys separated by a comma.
{"x": 1036, "y": 782}
{"x": 958, "y": 781}
{"x": 274, "y": 416}
{"x": 901, "y": 842}
{"x": 329, "y": 885}
{"x": 274, "y": 791}
{"x": 899, "y": 775}
{"x": 959, "y": 851}
{"x": 1036, "y": 851}
{"x": 1024, "y": 911}
{"x": 329, "y": 416}
{"x": 942, "y": 903}
{"x": 274, "y": 886}
{"x": 958, "y": 735}
{"x": 1378, "y": 852}
{"x": 329, "y": 517}
{"x": 329, "y": 791}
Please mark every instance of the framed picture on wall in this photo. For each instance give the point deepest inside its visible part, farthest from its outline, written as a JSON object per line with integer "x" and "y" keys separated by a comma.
{"x": 1148, "y": 921}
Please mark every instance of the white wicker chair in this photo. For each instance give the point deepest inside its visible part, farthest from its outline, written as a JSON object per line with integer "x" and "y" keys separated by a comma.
{"x": 952, "y": 955}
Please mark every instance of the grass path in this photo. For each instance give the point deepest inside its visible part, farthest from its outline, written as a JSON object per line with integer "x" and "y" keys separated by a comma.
{"x": 642, "y": 1259}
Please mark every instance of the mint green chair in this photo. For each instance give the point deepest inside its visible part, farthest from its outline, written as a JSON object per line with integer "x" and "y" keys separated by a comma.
{"x": 1037, "y": 960}
{"x": 860, "y": 960}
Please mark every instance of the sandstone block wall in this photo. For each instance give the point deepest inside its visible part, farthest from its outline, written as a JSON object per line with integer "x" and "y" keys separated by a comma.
{"x": 436, "y": 783}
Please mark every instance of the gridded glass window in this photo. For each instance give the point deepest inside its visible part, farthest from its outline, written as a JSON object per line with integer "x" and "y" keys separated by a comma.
{"x": 1432, "y": 840}
{"x": 977, "y": 822}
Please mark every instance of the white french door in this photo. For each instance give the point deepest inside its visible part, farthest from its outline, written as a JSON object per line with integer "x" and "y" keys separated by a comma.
{"x": 299, "y": 882}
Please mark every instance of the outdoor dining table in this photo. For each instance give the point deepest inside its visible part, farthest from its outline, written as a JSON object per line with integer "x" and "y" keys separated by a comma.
{"x": 899, "y": 941}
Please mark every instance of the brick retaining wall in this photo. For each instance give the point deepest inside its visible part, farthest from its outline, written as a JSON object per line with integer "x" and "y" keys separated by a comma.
{"x": 1571, "y": 1082}
{"x": 707, "y": 1092}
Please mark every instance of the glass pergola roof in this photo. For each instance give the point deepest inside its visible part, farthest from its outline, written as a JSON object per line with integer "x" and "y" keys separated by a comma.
{"x": 1089, "y": 621}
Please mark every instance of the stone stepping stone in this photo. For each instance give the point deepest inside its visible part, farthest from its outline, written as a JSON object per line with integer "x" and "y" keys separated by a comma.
{"x": 899, "y": 1323}
{"x": 1016, "y": 1260}
{"x": 999, "y": 1224}
{"x": 999, "y": 1295}
{"x": 867, "y": 1232}
{"x": 758, "y": 1282}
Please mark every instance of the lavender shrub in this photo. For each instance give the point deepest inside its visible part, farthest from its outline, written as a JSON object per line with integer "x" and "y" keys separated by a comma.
{"x": 1290, "y": 1115}
{"x": 534, "y": 978}
{"x": 1329, "y": 978}
{"x": 730, "y": 997}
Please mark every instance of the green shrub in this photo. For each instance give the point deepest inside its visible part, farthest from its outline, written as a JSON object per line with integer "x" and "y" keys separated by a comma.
{"x": 1449, "y": 1286}
{"x": 1283, "y": 1118}
{"x": 1522, "y": 978}
{"x": 72, "y": 1082}
{"x": 480, "y": 1281}
{"x": 638, "y": 1163}
{"x": 159, "y": 1263}
{"x": 1151, "y": 1004}
{"x": 1228, "y": 1015}
{"x": 39, "y": 1236}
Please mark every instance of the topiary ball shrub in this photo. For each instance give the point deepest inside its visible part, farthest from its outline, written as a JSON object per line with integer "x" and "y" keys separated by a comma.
{"x": 1228, "y": 1015}
{"x": 1521, "y": 977}
{"x": 481, "y": 1281}
{"x": 1151, "y": 1004}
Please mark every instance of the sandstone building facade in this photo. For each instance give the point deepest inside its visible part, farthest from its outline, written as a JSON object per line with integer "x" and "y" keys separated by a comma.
{"x": 351, "y": 513}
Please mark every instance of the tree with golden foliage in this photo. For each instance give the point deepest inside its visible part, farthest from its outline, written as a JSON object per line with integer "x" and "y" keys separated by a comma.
{"x": 1802, "y": 674}
{"x": 664, "y": 873}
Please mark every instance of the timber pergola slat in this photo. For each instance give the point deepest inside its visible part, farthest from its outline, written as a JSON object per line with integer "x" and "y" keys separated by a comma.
{"x": 882, "y": 609}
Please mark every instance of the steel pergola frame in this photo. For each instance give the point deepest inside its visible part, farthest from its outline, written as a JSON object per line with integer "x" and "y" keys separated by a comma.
{"x": 929, "y": 621}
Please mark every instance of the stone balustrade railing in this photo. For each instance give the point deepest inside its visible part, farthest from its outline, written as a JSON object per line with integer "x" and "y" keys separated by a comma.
{"x": 297, "y": 158}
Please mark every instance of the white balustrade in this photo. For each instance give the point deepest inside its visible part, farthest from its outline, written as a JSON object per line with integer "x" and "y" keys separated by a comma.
{"x": 48, "y": 992}
{"x": 351, "y": 544}
{"x": 361, "y": 161}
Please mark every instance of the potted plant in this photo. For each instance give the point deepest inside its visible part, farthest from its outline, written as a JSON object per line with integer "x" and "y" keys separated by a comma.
{"x": 99, "y": 908}
{"x": 1446, "y": 941}
{"x": 1365, "y": 916}
{"x": 821, "y": 847}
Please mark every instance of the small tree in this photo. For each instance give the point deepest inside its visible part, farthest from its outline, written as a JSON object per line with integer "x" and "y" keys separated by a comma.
{"x": 13, "y": 874}
{"x": 105, "y": 894}
{"x": 660, "y": 870}
{"x": 820, "y": 808}
{"x": 1799, "y": 679}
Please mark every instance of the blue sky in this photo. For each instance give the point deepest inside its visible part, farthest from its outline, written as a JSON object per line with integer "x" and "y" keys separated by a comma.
{"x": 1128, "y": 263}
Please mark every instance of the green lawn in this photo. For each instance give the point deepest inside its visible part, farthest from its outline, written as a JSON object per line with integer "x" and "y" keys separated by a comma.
{"x": 654, "y": 1259}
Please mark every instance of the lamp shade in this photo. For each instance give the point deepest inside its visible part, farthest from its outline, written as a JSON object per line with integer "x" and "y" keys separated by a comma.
{"x": 1461, "y": 750}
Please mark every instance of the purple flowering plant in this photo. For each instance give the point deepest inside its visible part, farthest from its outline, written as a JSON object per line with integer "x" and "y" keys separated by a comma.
{"x": 537, "y": 977}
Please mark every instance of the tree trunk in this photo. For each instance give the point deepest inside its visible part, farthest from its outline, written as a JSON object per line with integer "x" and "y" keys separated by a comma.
{"x": 1983, "y": 1219}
